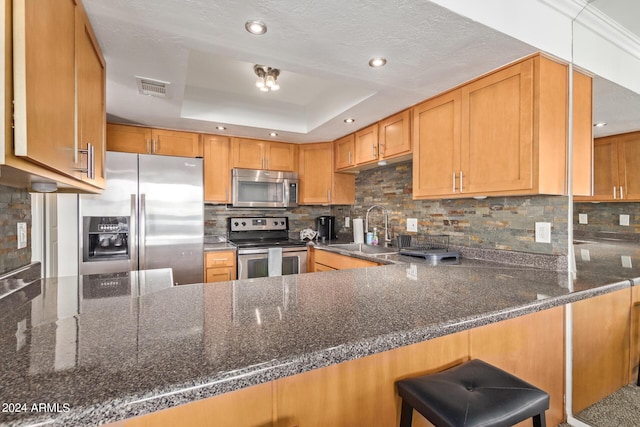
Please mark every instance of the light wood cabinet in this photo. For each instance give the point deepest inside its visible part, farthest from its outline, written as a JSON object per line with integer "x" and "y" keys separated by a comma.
{"x": 501, "y": 134}
{"x": 44, "y": 83}
{"x": 616, "y": 176}
{"x": 366, "y": 145}
{"x": 258, "y": 154}
{"x": 326, "y": 261}
{"x": 54, "y": 76}
{"x": 319, "y": 184}
{"x": 600, "y": 347}
{"x": 217, "y": 173}
{"x": 395, "y": 136}
{"x": 142, "y": 140}
{"x": 220, "y": 266}
{"x": 91, "y": 99}
{"x": 344, "y": 149}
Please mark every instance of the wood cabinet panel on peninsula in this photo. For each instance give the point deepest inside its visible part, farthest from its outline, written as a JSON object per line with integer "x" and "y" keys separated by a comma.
{"x": 258, "y": 154}
{"x": 55, "y": 75}
{"x": 142, "y": 140}
{"x": 319, "y": 184}
{"x": 501, "y": 134}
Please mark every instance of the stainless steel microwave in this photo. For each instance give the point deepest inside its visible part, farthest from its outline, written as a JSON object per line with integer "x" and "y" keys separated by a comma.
{"x": 256, "y": 188}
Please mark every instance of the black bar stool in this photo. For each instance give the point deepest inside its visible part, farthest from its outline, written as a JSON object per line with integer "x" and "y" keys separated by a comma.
{"x": 472, "y": 394}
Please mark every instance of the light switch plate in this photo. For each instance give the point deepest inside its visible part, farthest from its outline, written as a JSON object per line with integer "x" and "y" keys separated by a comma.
{"x": 347, "y": 222}
{"x": 624, "y": 219}
{"x": 412, "y": 224}
{"x": 583, "y": 219}
{"x": 22, "y": 235}
{"x": 543, "y": 232}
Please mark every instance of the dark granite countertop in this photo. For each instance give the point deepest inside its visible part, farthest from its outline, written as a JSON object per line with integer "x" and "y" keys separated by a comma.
{"x": 101, "y": 357}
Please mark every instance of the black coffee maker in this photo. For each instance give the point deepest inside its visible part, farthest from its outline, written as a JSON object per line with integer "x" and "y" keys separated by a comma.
{"x": 326, "y": 227}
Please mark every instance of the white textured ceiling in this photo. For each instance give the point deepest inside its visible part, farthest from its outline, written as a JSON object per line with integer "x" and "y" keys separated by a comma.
{"x": 321, "y": 47}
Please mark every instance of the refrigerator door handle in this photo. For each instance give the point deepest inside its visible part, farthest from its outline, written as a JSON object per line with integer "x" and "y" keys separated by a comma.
{"x": 133, "y": 245}
{"x": 142, "y": 233}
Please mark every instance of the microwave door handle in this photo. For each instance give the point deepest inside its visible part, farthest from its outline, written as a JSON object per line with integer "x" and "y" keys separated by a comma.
{"x": 285, "y": 193}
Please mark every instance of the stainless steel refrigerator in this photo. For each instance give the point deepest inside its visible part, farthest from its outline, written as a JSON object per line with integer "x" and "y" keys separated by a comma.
{"x": 151, "y": 215}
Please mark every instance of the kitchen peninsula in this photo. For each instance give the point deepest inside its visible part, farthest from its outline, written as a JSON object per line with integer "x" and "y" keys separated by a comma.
{"x": 276, "y": 340}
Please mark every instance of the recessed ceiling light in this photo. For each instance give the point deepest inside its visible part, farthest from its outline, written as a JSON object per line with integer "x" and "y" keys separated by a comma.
{"x": 256, "y": 27}
{"x": 221, "y": 128}
{"x": 599, "y": 124}
{"x": 273, "y": 134}
{"x": 377, "y": 62}
{"x": 349, "y": 120}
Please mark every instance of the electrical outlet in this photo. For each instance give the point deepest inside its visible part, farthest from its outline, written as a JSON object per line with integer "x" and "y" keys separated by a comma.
{"x": 22, "y": 235}
{"x": 412, "y": 224}
{"x": 543, "y": 232}
{"x": 624, "y": 219}
{"x": 347, "y": 222}
{"x": 583, "y": 219}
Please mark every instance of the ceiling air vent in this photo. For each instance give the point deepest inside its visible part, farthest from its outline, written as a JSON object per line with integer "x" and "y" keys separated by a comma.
{"x": 151, "y": 87}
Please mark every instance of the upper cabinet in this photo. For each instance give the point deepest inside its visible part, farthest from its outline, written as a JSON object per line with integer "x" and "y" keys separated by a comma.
{"x": 58, "y": 87}
{"x": 258, "y": 154}
{"x": 319, "y": 184}
{"x": 616, "y": 176}
{"x": 217, "y": 173}
{"x": 91, "y": 99}
{"x": 135, "y": 139}
{"x": 366, "y": 145}
{"x": 389, "y": 139}
{"x": 395, "y": 136}
{"x": 501, "y": 134}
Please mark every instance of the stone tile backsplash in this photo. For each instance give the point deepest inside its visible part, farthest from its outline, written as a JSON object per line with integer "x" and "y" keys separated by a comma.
{"x": 15, "y": 206}
{"x": 506, "y": 223}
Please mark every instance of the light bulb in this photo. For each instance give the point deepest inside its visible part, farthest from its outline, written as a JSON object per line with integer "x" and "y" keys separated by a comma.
{"x": 270, "y": 81}
{"x": 264, "y": 89}
{"x": 260, "y": 83}
{"x": 275, "y": 86}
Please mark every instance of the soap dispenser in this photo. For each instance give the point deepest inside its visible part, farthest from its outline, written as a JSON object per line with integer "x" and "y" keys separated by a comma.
{"x": 374, "y": 241}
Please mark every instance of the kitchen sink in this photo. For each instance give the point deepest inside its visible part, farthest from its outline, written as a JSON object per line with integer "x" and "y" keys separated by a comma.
{"x": 365, "y": 249}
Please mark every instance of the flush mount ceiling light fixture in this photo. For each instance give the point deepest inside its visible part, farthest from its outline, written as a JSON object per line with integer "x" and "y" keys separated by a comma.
{"x": 256, "y": 27}
{"x": 599, "y": 124}
{"x": 267, "y": 78}
{"x": 221, "y": 128}
{"x": 349, "y": 120}
{"x": 377, "y": 62}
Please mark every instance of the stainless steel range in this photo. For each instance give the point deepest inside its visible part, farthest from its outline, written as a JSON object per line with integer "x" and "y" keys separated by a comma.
{"x": 264, "y": 247}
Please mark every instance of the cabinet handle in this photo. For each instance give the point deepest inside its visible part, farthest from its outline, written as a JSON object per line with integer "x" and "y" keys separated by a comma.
{"x": 453, "y": 188}
{"x": 156, "y": 148}
{"x": 268, "y": 162}
{"x": 349, "y": 158}
{"x": 91, "y": 161}
{"x": 461, "y": 181}
{"x": 262, "y": 163}
{"x": 153, "y": 146}
{"x": 329, "y": 195}
{"x": 148, "y": 140}
{"x": 381, "y": 149}
{"x": 621, "y": 192}
{"x": 614, "y": 192}
{"x": 226, "y": 194}
{"x": 373, "y": 151}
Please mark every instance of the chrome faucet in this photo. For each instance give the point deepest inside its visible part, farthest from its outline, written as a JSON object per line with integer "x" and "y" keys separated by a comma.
{"x": 386, "y": 222}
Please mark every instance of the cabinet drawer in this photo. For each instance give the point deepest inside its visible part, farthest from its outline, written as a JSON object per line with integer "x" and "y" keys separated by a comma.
{"x": 220, "y": 259}
{"x": 223, "y": 274}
